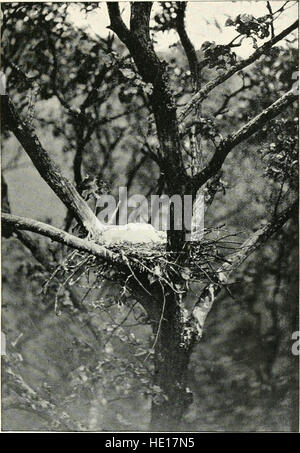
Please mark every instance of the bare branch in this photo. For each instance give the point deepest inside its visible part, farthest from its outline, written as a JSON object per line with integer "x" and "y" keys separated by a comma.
{"x": 116, "y": 22}
{"x": 133, "y": 171}
{"x": 47, "y": 168}
{"x": 263, "y": 50}
{"x": 93, "y": 94}
{"x": 5, "y": 206}
{"x": 255, "y": 124}
{"x": 272, "y": 25}
{"x": 107, "y": 119}
{"x": 186, "y": 43}
{"x": 258, "y": 238}
{"x": 245, "y": 132}
{"x": 21, "y": 223}
{"x": 229, "y": 97}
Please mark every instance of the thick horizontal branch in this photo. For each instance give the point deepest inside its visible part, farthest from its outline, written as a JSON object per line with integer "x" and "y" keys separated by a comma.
{"x": 264, "y": 49}
{"x": 47, "y": 168}
{"x": 245, "y": 132}
{"x": 256, "y": 123}
{"x": 21, "y": 223}
{"x": 257, "y": 239}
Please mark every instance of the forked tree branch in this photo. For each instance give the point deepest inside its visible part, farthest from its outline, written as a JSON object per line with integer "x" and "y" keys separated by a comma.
{"x": 153, "y": 71}
{"x": 242, "y": 134}
{"x": 116, "y": 22}
{"x": 263, "y": 50}
{"x": 257, "y": 239}
{"x": 48, "y": 169}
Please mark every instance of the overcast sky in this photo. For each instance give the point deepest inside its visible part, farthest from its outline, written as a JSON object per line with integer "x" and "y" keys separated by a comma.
{"x": 200, "y": 21}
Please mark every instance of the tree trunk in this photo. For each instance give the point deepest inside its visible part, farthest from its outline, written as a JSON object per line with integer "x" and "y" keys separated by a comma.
{"x": 171, "y": 366}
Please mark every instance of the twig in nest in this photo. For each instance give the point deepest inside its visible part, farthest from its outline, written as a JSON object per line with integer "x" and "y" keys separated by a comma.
{"x": 134, "y": 276}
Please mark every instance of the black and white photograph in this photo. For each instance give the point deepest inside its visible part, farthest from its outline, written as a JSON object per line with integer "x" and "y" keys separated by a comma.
{"x": 149, "y": 198}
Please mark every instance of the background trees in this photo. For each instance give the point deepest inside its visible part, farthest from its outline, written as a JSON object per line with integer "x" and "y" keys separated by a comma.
{"x": 90, "y": 352}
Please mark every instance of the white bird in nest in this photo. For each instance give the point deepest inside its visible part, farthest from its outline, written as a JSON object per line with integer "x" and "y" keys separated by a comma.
{"x": 134, "y": 233}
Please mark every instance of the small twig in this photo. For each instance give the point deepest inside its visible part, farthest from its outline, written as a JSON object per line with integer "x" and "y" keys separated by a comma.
{"x": 271, "y": 12}
{"x": 120, "y": 324}
{"x": 159, "y": 323}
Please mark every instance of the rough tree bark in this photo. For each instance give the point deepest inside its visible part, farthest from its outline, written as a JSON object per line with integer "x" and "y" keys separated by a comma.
{"x": 171, "y": 368}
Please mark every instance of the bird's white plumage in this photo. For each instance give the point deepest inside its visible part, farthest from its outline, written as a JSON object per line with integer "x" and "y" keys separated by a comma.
{"x": 134, "y": 233}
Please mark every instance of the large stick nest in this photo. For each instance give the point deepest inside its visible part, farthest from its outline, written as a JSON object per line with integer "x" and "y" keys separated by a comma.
{"x": 198, "y": 262}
